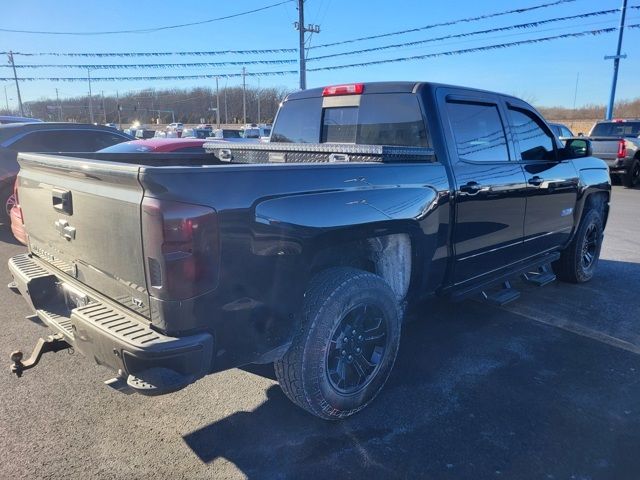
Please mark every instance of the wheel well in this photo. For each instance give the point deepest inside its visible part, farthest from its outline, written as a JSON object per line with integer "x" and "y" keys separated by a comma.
{"x": 388, "y": 256}
{"x": 598, "y": 201}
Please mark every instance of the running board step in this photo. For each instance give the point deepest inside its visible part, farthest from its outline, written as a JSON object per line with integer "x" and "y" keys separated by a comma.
{"x": 503, "y": 296}
{"x": 541, "y": 277}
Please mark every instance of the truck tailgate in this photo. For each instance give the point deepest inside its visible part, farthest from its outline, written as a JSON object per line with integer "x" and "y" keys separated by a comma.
{"x": 83, "y": 217}
{"x": 605, "y": 148}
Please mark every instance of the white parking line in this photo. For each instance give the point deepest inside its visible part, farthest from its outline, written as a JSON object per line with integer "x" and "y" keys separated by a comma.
{"x": 573, "y": 327}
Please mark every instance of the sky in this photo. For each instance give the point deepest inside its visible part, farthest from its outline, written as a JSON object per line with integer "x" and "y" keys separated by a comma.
{"x": 543, "y": 73}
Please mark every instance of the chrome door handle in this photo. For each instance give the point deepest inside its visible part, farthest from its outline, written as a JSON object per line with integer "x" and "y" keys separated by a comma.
{"x": 535, "y": 181}
{"x": 471, "y": 188}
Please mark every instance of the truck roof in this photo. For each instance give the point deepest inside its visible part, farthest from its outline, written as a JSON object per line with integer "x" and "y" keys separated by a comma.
{"x": 386, "y": 87}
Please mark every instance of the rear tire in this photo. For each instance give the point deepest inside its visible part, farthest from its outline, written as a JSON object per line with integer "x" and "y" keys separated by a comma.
{"x": 346, "y": 344}
{"x": 632, "y": 177}
{"x": 578, "y": 261}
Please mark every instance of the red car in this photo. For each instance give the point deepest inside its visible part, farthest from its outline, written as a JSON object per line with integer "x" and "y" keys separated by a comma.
{"x": 15, "y": 215}
{"x": 176, "y": 145}
{"x": 159, "y": 145}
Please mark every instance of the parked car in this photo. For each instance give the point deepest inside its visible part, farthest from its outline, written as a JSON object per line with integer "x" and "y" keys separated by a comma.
{"x": 4, "y": 119}
{"x": 307, "y": 251}
{"x": 561, "y": 131}
{"x": 261, "y": 131}
{"x": 231, "y": 135}
{"x": 617, "y": 142}
{"x": 46, "y": 137}
{"x": 181, "y": 145}
{"x": 15, "y": 218}
{"x": 206, "y": 126}
{"x": 196, "y": 133}
{"x": 144, "y": 133}
{"x": 176, "y": 127}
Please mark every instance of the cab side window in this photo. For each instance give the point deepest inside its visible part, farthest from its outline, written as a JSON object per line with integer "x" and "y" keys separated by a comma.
{"x": 535, "y": 142}
{"x": 478, "y": 131}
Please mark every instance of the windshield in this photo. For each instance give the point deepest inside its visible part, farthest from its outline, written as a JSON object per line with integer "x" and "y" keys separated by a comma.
{"x": 616, "y": 129}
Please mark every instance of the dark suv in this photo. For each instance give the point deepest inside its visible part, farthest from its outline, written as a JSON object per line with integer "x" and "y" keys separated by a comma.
{"x": 46, "y": 137}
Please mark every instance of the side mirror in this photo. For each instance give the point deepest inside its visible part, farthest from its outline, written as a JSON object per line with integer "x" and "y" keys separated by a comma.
{"x": 578, "y": 148}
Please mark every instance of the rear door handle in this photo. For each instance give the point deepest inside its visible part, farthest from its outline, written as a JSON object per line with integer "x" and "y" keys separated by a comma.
{"x": 535, "y": 181}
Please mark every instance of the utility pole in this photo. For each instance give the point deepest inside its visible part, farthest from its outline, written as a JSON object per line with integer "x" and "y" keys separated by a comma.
{"x": 217, "y": 104}
{"x": 301, "y": 30}
{"x": 299, "y": 25}
{"x": 258, "y": 101}
{"x": 90, "y": 102}
{"x": 104, "y": 110}
{"x": 119, "y": 108}
{"x": 15, "y": 76}
{"x": 244, "y": 95}
{"x": 59, "y": 106}
{"x": 226, "y": 110}
{"x": 616, "y": 62}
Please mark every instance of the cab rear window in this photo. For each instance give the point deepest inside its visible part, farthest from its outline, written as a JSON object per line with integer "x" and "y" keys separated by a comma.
{"x": 380, "y": 119}
{"x": 616, "y": 129}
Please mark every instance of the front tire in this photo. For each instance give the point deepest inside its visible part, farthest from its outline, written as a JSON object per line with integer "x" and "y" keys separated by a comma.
{"x": 346, "y": 344}
{"x": 578, "y": 261}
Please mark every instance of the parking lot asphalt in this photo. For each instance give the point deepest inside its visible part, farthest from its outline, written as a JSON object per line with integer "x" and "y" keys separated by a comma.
{"x": 547, "y": 387}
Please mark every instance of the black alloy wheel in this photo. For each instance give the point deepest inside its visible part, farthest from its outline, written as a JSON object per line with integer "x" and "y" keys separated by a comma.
{"x": 590, "y": 246}
{"x": 357, "y": 347}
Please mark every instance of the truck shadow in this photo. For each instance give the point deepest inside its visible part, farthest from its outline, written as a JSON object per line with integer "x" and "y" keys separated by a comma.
{"x": 6, "y": 236}
{"x": 477, "y": 391}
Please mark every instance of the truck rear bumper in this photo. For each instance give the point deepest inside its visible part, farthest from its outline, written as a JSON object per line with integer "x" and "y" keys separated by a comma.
{"x": 152, "y": 363}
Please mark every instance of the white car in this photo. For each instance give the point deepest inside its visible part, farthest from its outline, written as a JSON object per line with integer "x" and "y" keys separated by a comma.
{"x": 175, "y": 127}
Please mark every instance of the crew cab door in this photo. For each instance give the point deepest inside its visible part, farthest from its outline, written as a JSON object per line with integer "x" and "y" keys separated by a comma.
{"x": 552, "y": 183}
{"x": 490, "y": 188}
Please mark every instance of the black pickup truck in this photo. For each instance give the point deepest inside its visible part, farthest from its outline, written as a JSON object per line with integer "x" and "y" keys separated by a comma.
{"x": 305, "y": 251}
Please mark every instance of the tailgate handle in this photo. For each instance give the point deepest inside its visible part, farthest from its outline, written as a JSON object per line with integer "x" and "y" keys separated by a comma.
{"x": 62, "y": 201}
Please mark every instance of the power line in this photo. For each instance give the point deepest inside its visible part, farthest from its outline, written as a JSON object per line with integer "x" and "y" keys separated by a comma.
{"x": 156, "y": 65}
{"x": 521, "y": 26}
{"x": 474, "y": 49}
{"x": 445, "y": 24}
{"x": 147, "y": 78}
{"x": 150, "y": 30}
{"x": 337, "y": 67}
{"x": 157, "y": 54}
{"x": 284, "y": 50}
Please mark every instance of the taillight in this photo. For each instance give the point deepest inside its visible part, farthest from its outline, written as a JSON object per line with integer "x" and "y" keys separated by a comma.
{"x": 348, "y": 89}
{"x": 180, "y": 247}
{"x": 622, "y": 149}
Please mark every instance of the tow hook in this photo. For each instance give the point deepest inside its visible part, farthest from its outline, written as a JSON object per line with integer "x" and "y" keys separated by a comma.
{"x": 53, "y": 343}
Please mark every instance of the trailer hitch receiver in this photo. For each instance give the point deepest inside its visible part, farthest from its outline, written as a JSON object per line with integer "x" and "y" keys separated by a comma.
{"x": 53, "y": 343}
